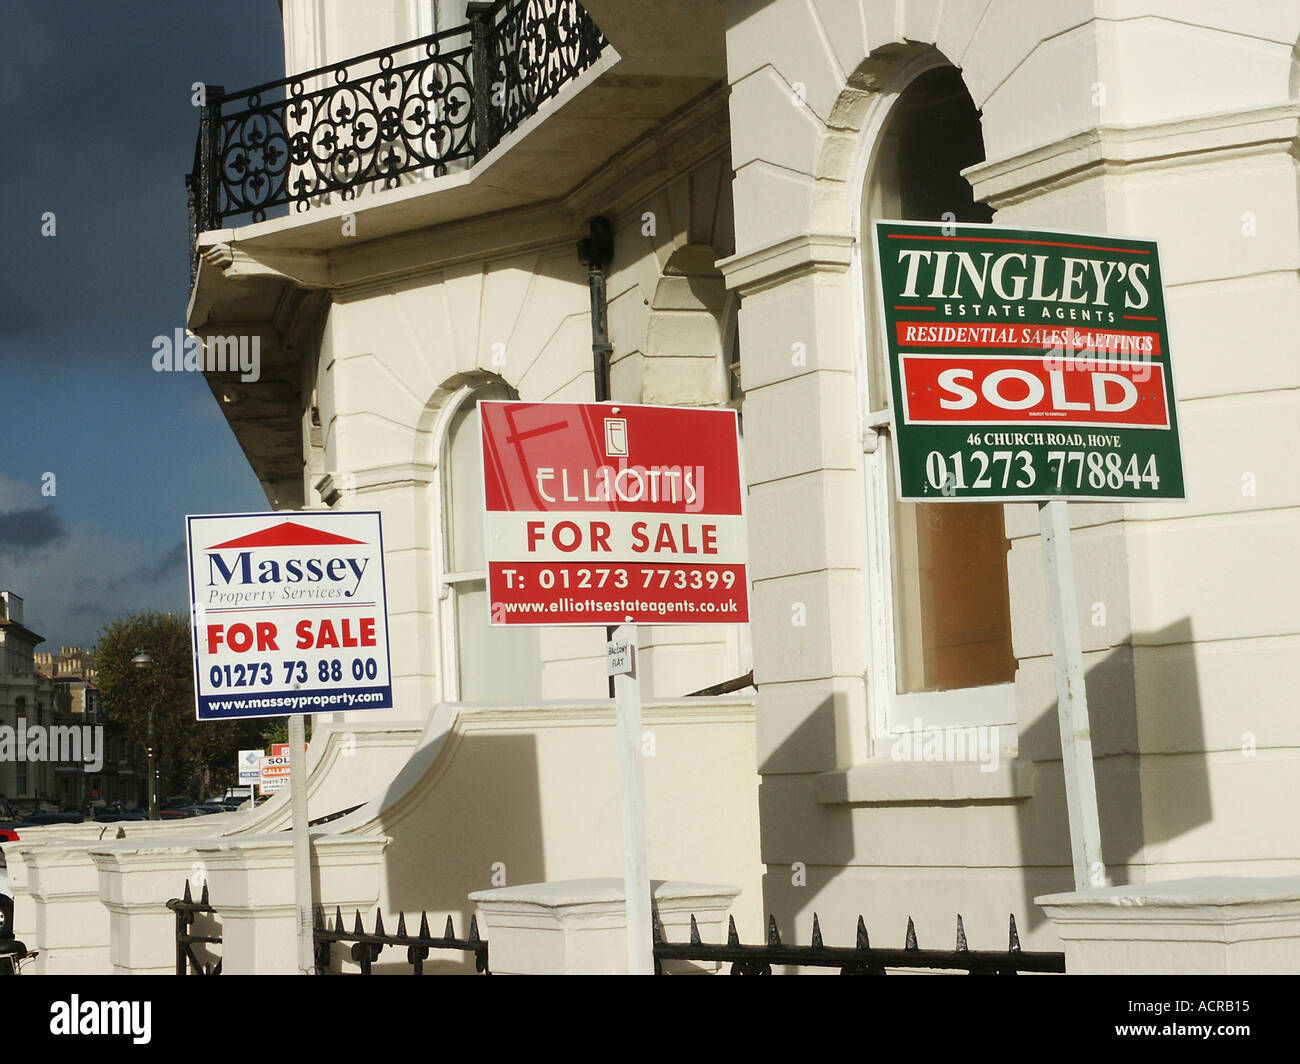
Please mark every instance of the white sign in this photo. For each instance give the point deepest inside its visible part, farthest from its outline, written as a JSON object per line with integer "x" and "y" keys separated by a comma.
{"x": 620, "y": 657}
{"x": 290, "y": 614}
{"x": 249, "y": 765}
{"x": 275, "y": 773}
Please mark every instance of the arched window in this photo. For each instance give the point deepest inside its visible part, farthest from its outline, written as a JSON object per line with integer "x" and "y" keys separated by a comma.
{"x": 942, "y": 638}
{"x": 479, "y": 663}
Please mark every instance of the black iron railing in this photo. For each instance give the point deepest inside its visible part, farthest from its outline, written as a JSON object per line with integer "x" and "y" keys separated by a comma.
{"x": 368, "y": 945}
{"x": 418, "y": 106}
{"x": 859, "y": 959}
{"x": 187, "y": 911}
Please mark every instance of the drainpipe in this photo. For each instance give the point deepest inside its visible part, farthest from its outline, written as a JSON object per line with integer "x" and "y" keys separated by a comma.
{"x": 596, "y": 251}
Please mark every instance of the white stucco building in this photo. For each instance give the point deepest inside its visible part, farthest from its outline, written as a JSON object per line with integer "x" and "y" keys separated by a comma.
{"x": 739, "y": 150}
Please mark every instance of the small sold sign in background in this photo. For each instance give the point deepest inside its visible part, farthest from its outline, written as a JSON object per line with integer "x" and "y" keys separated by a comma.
{"x": 1027, "y": 365}
{"x": 601, "y": 513}
{"x": 289, "y": 614}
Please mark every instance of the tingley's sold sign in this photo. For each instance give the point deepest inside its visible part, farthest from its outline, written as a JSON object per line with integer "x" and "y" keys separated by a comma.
{"x": 1026, "y": 364}
{"x": 290, "y": 613}
{"x": 611, "y": 513}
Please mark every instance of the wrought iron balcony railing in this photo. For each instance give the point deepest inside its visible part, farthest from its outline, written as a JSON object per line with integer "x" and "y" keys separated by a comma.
{"x": 426, "y": 105}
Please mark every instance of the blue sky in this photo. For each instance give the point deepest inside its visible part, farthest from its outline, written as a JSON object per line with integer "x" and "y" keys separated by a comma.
{"x": 97, "y": 126}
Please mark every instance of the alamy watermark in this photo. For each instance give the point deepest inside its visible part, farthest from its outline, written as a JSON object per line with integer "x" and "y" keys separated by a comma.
{"x": 182, "y": 353}
{"x": 974, "y": 742}
{"x": 61, "y": 744}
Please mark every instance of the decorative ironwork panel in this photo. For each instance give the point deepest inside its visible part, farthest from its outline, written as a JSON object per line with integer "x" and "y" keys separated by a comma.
{"x": 338, "y": 129}
{"x": 538, "y": 46}
{"x": 364, "y": 123}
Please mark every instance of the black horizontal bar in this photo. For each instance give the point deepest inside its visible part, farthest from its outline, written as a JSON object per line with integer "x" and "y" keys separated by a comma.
{"x": 847, "y": 956}
{"x": 405, "y": 940}
{"x": 331, "y": 68}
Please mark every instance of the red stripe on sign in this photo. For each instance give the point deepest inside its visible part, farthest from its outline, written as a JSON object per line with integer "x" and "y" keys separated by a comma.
{"x": 540, "y": 457}
{"x": 534, "y": 593}
{"x": 1017, "y": 240}
{"x": 1039, "y": 337}
{"x": 914, "y": 308}
{"x": 942, "y": 390}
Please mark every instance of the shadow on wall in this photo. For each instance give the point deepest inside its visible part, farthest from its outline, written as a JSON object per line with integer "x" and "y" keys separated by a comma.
{"x": 486, "y": 825}
{"x": 801, "y": 838}
{"x": 892, "y": 844}
{"x": 1168, "y": 720}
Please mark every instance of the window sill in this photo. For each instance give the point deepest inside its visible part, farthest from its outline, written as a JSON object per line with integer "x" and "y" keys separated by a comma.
{"x": 888, "y": 782}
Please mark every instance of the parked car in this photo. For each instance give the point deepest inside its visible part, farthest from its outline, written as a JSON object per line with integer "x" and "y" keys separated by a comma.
{"x": 178, "y": 801}
{"x": 208, "y": 808}
{"x": 114, "y": 812}
{"x": 38, "y": 820}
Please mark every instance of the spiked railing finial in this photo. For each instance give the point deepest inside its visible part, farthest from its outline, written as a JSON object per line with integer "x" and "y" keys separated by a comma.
{"x": 773, "y": 936}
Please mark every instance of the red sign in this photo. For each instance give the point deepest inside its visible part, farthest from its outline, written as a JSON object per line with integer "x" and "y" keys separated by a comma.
{"x": 1013, "y": 390}
{"x": 601, "y": 513}
{"x": 1035, "y": 337}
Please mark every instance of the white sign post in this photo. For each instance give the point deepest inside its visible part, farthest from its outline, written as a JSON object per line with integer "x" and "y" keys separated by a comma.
{"x": 290, "y": 616}
{"x": 615, "y": 515}
{"x": 1072, "y": 696}
{"x": 622, "y": 651}
{"x": 301, "y": 844}
{"x": 1029, "y": 408}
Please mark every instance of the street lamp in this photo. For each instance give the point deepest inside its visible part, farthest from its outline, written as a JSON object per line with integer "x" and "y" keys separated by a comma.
{"x": 143, "y": 661}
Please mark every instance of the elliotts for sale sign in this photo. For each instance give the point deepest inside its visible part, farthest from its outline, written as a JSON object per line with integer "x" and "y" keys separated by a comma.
{"x": 1027, "y": 365}
{"x": 290, "y": 613}
{"x": 601, "y": 513}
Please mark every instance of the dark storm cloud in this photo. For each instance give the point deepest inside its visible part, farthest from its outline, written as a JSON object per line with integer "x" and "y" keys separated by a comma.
{"x": 25, "y": 531}
{"x": 171, "y": 564}
{"x": 99, "y": 129}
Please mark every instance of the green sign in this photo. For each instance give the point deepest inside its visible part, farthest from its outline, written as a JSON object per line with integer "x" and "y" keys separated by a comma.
{"x": 1026, "y": 364}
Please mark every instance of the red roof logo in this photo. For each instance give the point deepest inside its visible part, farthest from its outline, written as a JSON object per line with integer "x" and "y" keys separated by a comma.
{"x": 288, "y": 534}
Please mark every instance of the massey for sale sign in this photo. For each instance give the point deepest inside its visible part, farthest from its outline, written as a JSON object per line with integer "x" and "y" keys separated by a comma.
{"x": 602, "y": 513}
{"x": 289, "y": 613}
{"x": 1027, "y": 365}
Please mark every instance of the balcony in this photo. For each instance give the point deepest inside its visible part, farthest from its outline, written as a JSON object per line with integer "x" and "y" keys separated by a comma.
{"x": 419, "y": 109}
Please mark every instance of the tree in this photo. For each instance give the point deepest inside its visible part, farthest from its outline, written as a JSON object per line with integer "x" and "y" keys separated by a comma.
{"x": 193, "y": 756}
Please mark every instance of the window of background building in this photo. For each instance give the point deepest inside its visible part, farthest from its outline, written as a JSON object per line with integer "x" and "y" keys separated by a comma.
{"x": 480, "y": 663}
{"x": 946, "y": 563}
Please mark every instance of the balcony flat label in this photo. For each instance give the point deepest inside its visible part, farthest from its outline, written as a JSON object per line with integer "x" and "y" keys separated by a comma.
{"x": 1026, "y": 365}
{"x": 601, "y": 513}
{"x": 619, "y": 654}
{"x": 289, "y": 613}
